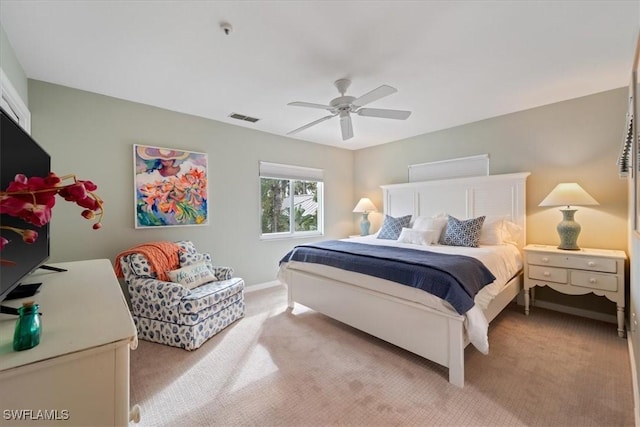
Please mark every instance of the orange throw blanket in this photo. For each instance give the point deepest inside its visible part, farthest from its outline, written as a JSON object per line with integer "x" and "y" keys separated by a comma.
{"x": 162, "y": 256}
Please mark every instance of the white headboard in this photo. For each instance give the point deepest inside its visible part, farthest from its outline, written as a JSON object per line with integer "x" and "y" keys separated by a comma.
{"x": 463, "y": 198}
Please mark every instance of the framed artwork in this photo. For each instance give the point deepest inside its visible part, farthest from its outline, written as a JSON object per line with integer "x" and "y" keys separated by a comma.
{"x": 170, "y": 187}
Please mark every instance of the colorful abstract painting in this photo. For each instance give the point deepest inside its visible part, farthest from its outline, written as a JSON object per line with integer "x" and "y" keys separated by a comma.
{"x": 170, "y": 187}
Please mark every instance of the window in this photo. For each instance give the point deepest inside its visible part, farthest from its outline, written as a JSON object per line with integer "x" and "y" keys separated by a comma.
{"x": 291, "y": 200}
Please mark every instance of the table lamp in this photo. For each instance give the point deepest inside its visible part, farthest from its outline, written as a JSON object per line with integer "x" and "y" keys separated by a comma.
{"x": 568, "y": 194}
{"x": 365, "y": 206}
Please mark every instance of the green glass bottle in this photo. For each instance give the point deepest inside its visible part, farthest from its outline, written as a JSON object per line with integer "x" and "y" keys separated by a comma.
{"x": 27, "y": 333}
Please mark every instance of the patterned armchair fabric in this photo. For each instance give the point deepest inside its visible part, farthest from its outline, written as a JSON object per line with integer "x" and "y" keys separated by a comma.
{"x": 170, "y": 313}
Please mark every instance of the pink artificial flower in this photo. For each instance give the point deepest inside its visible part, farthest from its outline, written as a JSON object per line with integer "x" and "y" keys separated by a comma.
{"x": 74, "y": 192}
{"x": 89, "y": 203}
{"x": 34, "y": 188}
{"x": 88, "y": 214}
{"x": 10, "y": 205}
{"x": 37, "y": 215}
{"x": 32, "y": 198}
{"x": 90, "y": 186}
{"x": 29, "y": 236}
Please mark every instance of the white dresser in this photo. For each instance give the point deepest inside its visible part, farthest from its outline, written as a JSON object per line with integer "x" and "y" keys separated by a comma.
{"x": 600, "y": 271}
{"x": 79, "y": 373}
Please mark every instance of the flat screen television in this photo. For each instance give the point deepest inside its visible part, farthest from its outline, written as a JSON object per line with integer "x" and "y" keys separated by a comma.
{"x": 19, "y": 153}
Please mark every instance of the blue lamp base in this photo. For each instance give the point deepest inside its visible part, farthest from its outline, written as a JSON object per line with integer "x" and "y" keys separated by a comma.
{"x": 365, "y": 224}
{"x": 568, "y": 230}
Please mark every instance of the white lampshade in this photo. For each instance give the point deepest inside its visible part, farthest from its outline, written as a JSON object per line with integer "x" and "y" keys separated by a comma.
{"x": 365, "y": 205}
{"x": 568, "y": 194}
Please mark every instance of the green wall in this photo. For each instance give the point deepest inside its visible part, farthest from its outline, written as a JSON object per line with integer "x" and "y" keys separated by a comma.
{"x": 93, "y": 135}
{"x": 571, "y": 141}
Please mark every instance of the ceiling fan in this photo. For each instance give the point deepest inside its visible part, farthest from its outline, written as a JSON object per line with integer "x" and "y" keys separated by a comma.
{"x": 344, "y": 105}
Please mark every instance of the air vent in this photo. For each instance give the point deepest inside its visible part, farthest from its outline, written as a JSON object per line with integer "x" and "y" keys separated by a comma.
{"x": 243, "y": 117}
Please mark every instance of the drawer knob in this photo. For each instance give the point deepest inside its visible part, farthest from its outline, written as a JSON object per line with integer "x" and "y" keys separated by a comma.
{"x": 545, "y": 259}
{"x": 546, "y": 274}
{"x": 592, "y": 280}
{"x": 591, "y": 264}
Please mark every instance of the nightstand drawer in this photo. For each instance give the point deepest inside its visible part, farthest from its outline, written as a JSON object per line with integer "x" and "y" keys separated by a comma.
{"x": 568, "y": 261}
{"x": 586, "y": 279}
{"x": 549, "y": 274}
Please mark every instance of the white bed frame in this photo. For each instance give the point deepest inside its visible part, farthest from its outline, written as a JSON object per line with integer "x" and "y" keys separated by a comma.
{"x": 441, "y": 339}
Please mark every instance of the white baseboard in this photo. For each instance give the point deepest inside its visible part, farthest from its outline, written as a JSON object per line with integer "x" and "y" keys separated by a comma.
{"x": 609, "y": 318}
{"x": 261, "y": 286}
{"x": 634, "y": 381}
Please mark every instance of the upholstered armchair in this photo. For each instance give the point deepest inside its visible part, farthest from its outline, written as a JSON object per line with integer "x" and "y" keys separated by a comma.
{"x": 182, "y": 313}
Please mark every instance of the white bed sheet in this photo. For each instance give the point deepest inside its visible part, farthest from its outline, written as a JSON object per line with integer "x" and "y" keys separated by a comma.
{"x": 504, "y": 261}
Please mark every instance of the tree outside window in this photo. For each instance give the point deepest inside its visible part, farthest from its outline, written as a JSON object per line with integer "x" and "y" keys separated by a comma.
{"x": 290, "y": 207}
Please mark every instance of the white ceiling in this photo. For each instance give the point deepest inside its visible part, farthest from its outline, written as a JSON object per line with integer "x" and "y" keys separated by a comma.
{"x": 452, "y": 62}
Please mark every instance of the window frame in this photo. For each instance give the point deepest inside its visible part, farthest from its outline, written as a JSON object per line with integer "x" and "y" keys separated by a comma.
{"x": 292, "y": 174}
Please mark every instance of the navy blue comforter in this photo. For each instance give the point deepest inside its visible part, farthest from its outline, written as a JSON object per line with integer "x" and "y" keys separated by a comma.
{"x": 454, "y": 278}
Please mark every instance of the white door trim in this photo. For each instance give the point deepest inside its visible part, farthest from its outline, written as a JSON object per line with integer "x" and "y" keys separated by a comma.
{"x": 11, "y": 101}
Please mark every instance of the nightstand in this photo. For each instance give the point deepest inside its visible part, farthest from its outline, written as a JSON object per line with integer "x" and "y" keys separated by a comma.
{"x": 600, "y": 271}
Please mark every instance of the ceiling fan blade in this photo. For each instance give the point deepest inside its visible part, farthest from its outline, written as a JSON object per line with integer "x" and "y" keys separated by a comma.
{"x": 385, "y": 114}
{"x": 308, "y": 125}
{"x": 346, "y": 127}
{"x": 374, "y": 95}
{"x": 310, "y": 105}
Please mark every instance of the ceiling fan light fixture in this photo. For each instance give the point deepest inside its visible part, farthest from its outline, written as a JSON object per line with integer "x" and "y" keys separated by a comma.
{"x": 346, "y": 127}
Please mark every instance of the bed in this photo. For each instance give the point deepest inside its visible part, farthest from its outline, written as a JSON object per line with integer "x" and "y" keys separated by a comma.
{"x": 358, "y": 299}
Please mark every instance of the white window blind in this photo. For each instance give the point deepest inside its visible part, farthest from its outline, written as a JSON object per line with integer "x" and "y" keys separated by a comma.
{"x": 624, "y": 159}
{"x": 277, "y": 170}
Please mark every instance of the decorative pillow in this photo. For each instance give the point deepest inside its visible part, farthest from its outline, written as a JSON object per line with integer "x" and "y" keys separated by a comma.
{"x": 435, "y": 222}
{"x": 187, "y": 246}
{"x": 418, "y": 237}
{"x": 462, "y": 233}
{"x": 189, "y": 255}
{"x": 392, "y": 227}
{"x": 187, "y": 258}
{"x": 493, "y": 231}
{"x": 512, "y": 232}
{"x": 192, "y": 276}
{"x": 140, "y": 266}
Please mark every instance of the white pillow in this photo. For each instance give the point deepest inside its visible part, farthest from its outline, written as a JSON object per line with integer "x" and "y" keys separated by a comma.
{"x": 418, "y": 237}
{"x": 498, "y": 230}
{"x": 512, "y": 232}
{"x": 493, "y": 231}
{"x": 192, "y": 275}
{"x": 436, "y": 222}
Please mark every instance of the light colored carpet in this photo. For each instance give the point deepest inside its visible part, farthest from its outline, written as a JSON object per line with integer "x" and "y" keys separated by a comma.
{"x": 300, "y": 368}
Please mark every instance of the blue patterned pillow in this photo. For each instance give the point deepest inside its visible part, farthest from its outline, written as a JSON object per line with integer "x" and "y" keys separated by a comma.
{"x": 462, "y": 233}
{"x": 392, "y": 227}
{"x": 140, "y": 266}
